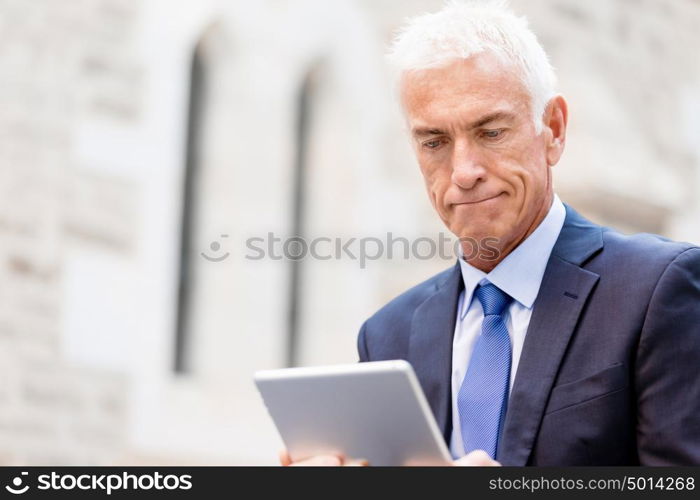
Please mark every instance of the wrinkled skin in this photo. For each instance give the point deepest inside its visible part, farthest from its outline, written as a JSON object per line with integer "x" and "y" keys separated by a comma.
{"x": 486, "y": 169}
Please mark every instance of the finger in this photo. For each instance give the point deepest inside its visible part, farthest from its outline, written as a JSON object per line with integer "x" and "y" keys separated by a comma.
{"x": 478, "y": 458}
{"x": 357, "y": 462}
{"x": 320, "y": 461}
{"x": 284, "y": 457}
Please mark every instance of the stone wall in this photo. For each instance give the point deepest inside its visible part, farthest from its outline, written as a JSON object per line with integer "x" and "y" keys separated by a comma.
{"x": 61, "y": 62}
{"x": 92, "y": 144}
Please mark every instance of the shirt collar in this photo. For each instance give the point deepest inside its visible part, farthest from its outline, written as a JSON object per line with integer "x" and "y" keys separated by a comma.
{"x": 520, "y": 273}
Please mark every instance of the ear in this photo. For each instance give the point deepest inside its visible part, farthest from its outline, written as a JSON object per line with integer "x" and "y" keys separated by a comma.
{"x": 555, "y": 119}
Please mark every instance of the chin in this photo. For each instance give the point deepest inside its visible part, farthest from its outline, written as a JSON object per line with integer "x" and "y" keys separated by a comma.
{"x": 478, "y": 227}
{"x": 474, "y": 232}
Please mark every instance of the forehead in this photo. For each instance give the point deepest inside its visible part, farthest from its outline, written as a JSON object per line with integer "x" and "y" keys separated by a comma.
{"x": 463, "y": 90}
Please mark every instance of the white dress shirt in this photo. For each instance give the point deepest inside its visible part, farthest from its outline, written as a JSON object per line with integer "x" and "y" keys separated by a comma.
{"x": 519, "y": 275}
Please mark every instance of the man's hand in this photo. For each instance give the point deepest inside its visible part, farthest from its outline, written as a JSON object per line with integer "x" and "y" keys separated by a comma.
{"x": 321, "y": 461}
{"x": 477, "y": 458}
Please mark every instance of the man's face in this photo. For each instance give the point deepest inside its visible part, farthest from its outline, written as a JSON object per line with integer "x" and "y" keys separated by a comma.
{"x": 485, "y": 168}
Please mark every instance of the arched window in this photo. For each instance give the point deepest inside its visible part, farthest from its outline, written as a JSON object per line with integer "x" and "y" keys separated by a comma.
{"x": 304, "y": 113}
{"x": 195, "y": 112}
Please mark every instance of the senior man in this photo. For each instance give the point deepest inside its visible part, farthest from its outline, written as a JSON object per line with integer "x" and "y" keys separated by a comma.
{"x": 575, "y": 345}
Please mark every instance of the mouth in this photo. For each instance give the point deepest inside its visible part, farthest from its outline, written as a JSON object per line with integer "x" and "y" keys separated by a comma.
{"x": 477, "y": 202}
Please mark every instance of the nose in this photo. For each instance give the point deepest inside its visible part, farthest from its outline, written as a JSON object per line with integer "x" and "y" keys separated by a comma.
{"x": 467, "y": 166}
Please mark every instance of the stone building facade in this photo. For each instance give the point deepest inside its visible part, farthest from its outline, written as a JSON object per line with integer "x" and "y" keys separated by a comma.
{"x": 139, "y": 136}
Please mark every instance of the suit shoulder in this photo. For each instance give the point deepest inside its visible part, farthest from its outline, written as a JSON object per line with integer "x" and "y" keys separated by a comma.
{"x": 644, "y": 248}
{"x": 639, "y": 260}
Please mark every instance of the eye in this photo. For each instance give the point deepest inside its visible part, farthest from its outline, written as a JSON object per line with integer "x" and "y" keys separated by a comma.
{"x": 493, "y": 134}
{"x": 432, "y": 144}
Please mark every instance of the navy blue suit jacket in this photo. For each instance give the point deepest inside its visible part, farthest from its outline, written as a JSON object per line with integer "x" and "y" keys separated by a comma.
{"x": 610, "y": 369}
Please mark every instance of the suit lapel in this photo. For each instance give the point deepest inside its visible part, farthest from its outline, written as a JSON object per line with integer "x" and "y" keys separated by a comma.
{"x": 430, "y": 346}
{"x": 565, "y": 288}
{"x": 563, "y": 293}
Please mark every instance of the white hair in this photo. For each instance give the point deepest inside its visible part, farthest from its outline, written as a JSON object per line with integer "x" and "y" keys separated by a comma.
{"x": 465, "y": 28}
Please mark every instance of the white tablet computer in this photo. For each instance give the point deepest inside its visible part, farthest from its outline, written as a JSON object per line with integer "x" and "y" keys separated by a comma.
{"x": 376, "y": 411}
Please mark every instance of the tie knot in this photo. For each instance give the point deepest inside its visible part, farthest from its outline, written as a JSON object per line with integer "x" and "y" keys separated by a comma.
{"x": 493, "y": 299}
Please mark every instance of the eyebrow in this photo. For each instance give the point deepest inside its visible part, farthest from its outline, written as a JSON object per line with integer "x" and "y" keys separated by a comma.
{"x": 484, "y": 120}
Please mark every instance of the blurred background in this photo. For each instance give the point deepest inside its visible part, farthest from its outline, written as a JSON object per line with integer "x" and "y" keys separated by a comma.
{"x": 142, "y": 142}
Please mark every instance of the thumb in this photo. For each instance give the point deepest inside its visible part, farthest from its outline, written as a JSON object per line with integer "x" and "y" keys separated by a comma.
{"x": 478, "y": 458}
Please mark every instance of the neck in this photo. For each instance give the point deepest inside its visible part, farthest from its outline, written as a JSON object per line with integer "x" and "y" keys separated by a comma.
{"x": 503, "y": 251}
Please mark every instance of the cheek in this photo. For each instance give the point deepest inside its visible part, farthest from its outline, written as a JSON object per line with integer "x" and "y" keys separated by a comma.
{"x": 535, "y": 180}
{"x": 436, "y": 179}
{"x": 527, "y": 173}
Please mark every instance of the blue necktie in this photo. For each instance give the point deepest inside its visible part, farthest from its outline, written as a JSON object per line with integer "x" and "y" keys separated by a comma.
{"x": 483, "y": 397}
